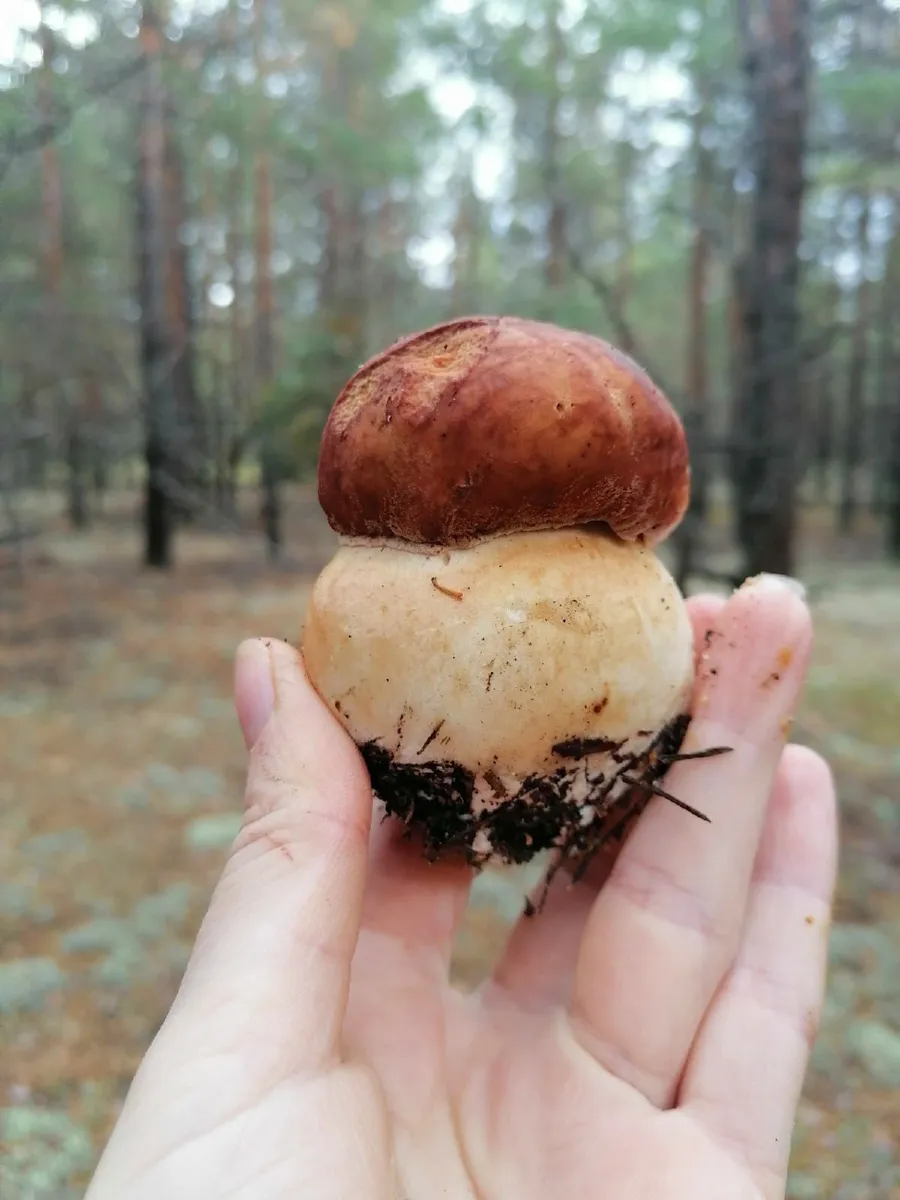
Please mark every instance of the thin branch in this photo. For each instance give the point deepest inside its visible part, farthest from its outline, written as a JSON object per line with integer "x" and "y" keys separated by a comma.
{"x": 45, "y": 131}
{"x": 621, "y": 325}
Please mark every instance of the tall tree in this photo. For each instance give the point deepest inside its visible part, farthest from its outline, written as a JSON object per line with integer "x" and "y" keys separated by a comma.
{"x": 775, "y": 43}
{"x": 696, "y": 415}
{"x": 855, "y": 403}
{"x": 160, "y": 404}
{"x": 887, "y": 381}
{"x": 69, "y": 405}
{"x": 820, "y": 393}
{"x": 697, "y": 373}
{"x": 180, "y": 321}
{"x": 890, "y": 382}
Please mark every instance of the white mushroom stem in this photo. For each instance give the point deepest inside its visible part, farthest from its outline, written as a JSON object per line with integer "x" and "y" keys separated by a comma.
{"x": 500, "y": 656}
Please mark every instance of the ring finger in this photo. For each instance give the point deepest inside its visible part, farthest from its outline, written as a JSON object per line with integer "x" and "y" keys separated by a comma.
{"x": 665, "y": 928}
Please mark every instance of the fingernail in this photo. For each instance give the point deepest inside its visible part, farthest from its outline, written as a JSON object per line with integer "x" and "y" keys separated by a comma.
{"x": 776, "y": 583}
{"x": 254, "y": 690}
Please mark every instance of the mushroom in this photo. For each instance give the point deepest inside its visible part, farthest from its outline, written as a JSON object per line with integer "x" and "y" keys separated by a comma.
{"x": 494, "y": 630}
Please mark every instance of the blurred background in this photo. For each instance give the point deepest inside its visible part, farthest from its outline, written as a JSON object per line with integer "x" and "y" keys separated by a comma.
{"x": 211, "y": 211}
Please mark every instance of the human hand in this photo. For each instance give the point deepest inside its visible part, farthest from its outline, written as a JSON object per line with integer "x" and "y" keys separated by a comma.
{"x": 642, "y": 1040}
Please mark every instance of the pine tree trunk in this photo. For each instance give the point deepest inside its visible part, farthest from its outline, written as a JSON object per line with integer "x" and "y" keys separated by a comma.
{"x": 76, "y": 462}
{"x": 99, "y": 471}
{"x": 893, "y": 505}
{"x": 231, "y": 402}
{"x": 53, "y": 258}
{"x": 34, "y": 457}
{"x": 696, "y": 414}
{"x": 156, "y": 367}
{"x": 237, "y": 414}
{"x": 855, "y": 405}
{"x": 697, "y": 370}
{"x": 181, "y": 325}
{"x": 890, "y": 387}
{"x": 820, "y": 403}
{"x": 887, "y": 405}
{"x": 824, "y": 443}
{"x": 766, "y": 425}
{"x": 95, "y": 468}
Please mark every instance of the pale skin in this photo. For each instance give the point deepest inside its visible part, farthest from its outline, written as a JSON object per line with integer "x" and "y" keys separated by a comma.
{"x": 644, "y": 1038}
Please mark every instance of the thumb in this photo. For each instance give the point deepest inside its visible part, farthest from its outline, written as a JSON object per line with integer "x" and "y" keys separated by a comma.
{"x": 270, "y": 969}
{"x": 264, "y": 994}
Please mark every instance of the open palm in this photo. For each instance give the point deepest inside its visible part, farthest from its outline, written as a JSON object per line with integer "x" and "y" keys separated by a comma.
{"x": 645, "y": 1036}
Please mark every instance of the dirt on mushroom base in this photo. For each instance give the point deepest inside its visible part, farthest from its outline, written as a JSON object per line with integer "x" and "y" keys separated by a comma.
{"x": 121, "y": 789}
{"x": 573, "y": 809}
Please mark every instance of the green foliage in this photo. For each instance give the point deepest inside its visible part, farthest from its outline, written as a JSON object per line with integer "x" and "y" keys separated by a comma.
{"x": 294, "y": 408}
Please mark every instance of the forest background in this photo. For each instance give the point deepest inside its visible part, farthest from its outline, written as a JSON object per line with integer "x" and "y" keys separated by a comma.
{"x": 210, "y": 214}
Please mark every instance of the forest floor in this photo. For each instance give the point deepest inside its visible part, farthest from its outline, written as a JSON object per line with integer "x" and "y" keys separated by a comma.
{"x": 121, "y": 772}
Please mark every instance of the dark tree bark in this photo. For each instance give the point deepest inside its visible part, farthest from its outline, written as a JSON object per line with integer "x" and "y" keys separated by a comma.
{"x": 893, "y": 505}
{"x": 696, "y": 374}
{"x": 766, "y": 427}
{"x": 887, "y": 384}
{"x": 96, "y": 450}
{"x": 77, "y": 463}
{"x": 34, "y": 436}
{"x": 820, "y": 403}
{"x": 821, "y": 395}
{"x": 231, "y": 405}
{"x": 53, "y": 261}
{"x": 181, "y": 326}
{"x": 234, "y": 413}
{"x": 697, "y": 370}
{"x": 99, "y": 470}
{"x": 160, "y": 407}
{"x": 855, "y": 403}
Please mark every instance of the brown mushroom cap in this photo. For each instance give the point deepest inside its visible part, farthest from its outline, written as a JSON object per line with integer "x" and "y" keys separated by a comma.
{"x": 493, "y": 425}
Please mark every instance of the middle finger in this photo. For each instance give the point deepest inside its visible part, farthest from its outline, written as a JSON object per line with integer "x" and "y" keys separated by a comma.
{"x": 537, "y": 965}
